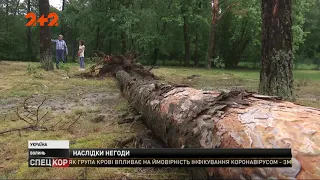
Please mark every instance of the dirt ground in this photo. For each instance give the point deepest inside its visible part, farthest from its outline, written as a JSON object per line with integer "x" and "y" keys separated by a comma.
{"x": 87, "y": 111}
{"x": 96, "y": 101}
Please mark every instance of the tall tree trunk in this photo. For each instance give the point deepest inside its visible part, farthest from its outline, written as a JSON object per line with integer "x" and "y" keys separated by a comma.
{"x": 132, "y": 46}
{"x": 123, "y": 42}
{"x": 97, "y": 38}
{"x": 74, "y": 49}
{"x": 196, "y": 46}
{"x": 29, "y": 47}
{"x": 211, "y": 46}
{"x": 186, "y": 41}
{"x": 132, "y": 43}
{"x": 63, "y": 4}
{"x": 123, "y": 35}
{"x": 196, "y": 50}
{"x": 185, "y": 36}
{"x": 45, "y": 37}
{"x": 155, "y": 54}
{"x": 7, "y": 15}
{"x": 61, "y": 24}
{"x": 238, "y": 47}
{"x": 17, "y": 8}
{"x": 276, "y": 77}
{"x": 110, "y": 46}
{"x": 211, "y": 43}
{"x": 162, "y": 32}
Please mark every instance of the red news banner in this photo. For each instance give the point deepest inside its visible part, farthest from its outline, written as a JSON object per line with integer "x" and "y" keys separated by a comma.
{"x": 56, "y": 153}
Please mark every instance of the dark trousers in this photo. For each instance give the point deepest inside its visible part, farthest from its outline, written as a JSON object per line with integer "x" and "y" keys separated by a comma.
{"x": 60, "y": 55}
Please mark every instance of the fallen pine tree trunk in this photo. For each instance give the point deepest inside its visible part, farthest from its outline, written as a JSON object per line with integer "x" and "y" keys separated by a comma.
{"x": 183, "y": 117}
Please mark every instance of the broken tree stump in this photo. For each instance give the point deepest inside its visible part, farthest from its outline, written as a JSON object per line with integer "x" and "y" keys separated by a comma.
{"x": 191, "y": 118}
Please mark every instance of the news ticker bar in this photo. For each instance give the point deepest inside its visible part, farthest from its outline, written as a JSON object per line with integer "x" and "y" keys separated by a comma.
{"x": 57, "y": 153}
{"x": 61, "y": 148}
{"x": 159, "y": 162}
{"x": 161, "y": 153}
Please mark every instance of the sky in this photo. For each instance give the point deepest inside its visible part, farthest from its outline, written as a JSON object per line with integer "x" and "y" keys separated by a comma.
{"x": 56, "y": 3}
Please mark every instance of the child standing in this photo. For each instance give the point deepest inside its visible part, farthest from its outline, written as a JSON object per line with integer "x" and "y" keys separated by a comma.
{"x": 81, "y": 54}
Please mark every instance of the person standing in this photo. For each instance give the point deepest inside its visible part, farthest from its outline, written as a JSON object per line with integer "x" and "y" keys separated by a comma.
{"x": 81, "y": 54}
{"x": 61, "y": 50}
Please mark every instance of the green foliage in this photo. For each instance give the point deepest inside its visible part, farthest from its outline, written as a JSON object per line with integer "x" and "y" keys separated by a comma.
{"x": 155, "y": 29}
{"x": 66, "y": 68}
{"x": 311, "y": 45}
{"x": 219, "y": 62}
{"x": 31, "y": 69}
{"x": 300, "y": 8}
{"x": 238, "y": 32}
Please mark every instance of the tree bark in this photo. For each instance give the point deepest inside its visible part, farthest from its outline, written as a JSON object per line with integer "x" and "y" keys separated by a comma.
{"x": 7, "y": 15}
{"x": 186, "y": 41}
{"x": 17, "y": 7}
{"x": 45, "y": 40}
{"x": 74, "y": 49}
{"x": 196, "y": 41}
{"x": 185, "y": 117}
{"x": 211, "y": 42}
{"x": 123, "y": 42}
{"x": 29, "y": 47}
{"x": 238, "y": 47}
{"x": 155, "y": 56}
{"x": 276, "y": 77}
{"x": 215, "y": 18}
{"x": 97, "y": 38}
{"x": 110, "y": 45}
{"x": 211, "y": 46}
{"x": 196, "y": 50}
{"x": 63, "y": 4}
{"x": 62, "y": 25}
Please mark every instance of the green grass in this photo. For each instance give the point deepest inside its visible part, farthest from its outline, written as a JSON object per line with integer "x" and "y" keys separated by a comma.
{"x": 241, "y": 65}
{"x": 306, "y": 82}
{"x": 306, "y": 67}
{"x": 17, "y": 83}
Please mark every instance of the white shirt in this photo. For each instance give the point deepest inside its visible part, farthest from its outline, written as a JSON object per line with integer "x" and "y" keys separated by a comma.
{"x": 82, "y": 48}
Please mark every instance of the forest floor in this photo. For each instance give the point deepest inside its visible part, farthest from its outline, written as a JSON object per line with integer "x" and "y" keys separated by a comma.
{"x": 306, "y": 82}
{"x": 66, "y": 100}
{"x": 69, "y": 99}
